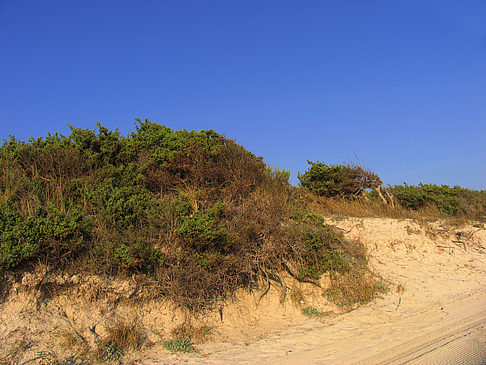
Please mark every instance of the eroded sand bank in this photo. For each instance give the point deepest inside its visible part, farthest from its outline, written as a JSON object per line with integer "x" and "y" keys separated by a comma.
{"x": 437, "y": 280}
{"x": 440, "y": 273}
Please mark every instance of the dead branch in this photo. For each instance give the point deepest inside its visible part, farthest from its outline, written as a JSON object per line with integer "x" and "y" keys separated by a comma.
{"x": 283, "y": 293}
{"x": 390, "y": 196}
{"x": 459, "y": 243}
{"x": 266, "y": 290}
{"x": 291, "y": 270}
{"x": 378, "y": 190}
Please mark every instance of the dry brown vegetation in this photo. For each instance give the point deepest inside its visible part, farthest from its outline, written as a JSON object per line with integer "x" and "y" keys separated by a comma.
{"x": 360, "y": 207}
{"x": 121, "y": 337}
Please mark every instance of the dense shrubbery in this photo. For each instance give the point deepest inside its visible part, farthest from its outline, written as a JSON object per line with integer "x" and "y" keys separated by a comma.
{"x": 350, "y": 182}
{"x": 449, "y": 201}
{"x": 197, "y": 212}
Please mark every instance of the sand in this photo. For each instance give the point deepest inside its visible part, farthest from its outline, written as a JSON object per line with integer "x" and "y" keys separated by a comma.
{"x": 435, "y": 310}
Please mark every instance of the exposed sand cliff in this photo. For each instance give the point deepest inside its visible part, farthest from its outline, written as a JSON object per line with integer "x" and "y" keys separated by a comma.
{"x": 430, "y": 270}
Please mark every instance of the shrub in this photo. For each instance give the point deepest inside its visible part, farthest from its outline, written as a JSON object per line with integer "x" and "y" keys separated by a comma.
{"x": 196, "y": 212}
{"x": 338, "y": 180}
{"x": 49, "y": 231}
{"x": 351, "y": 288}
{"x": 205, "y": 230}
{"x": 121, "y": 206}
{"x": 282, "y": 175}
{"x": 449, "y": 201}
{"x": 121, "y": 336}
{"x": 110, "y": 351}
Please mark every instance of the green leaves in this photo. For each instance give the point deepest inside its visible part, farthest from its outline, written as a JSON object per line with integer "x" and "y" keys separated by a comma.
{"x": 164, "y": 144}
{"x": 443, "y": 197}
{"x": 49, "y": 230}
{"x": 179, "y": 345}
{"x": 338, "y": 180}
{"x": 204, "y": 230}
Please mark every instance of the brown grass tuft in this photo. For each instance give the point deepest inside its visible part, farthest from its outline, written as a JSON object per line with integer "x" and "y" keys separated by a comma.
{"x": 197, "y": 333}
{"x": 297, "y": 295}
{"x": 351, "y": 288}
{"x": 121, "y": 337}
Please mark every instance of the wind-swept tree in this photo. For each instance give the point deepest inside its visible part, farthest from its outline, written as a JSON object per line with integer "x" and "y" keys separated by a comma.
{"x": 340, "y": 180}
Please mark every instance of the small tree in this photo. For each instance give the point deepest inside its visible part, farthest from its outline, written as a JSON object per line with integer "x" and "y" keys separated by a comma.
{"x": 339, "y": 180}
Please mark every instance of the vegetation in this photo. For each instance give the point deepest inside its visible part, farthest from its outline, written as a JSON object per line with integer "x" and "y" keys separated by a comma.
{"x": 197, "y": 213}
{"x": 312, "y": 312}
{"x": 352, "y": 190}
{"x": 338, "y": 180}
{"x": 121, "y": 336}
{"x": 448, "y": 201}
{"x": 179, "y": 345}
{"x": 193, "y": 217}
{"x": 348, "y": 289}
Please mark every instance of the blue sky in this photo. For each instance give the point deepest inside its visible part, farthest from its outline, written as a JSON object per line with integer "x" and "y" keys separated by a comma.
{"x": 400, "y": 84}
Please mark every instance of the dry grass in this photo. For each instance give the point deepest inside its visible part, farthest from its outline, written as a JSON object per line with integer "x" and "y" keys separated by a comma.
{"x": 121, "y": 337}
{"x": 197, "y": 333}
{"x": 198, "y": 217}
{"x": 367, "y": 208}
{"x": 351, "y": 288}
{"x": 11, "y": 354}
{"x": 73, "y": 343}
{"x": 297, "y": 295}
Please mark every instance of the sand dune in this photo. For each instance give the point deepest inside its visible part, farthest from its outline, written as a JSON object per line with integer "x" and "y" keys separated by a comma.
{"x": 435, "y": 310}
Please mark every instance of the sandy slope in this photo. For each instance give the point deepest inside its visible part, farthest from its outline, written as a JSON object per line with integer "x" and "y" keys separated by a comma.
{"x": 444, "y": 300}
{"x": 437, "y": 277}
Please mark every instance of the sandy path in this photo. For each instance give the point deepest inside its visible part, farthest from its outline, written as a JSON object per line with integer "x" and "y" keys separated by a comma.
{"x": 440, "y": 317}
{"x": 434, "y": 336}
{"x": 376, "y": 334}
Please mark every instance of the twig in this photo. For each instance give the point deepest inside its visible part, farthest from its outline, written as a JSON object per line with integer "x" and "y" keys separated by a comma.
{"x": 64, "y": 316}
{"x": 460, "y": 242}
{"x": 451, "y": 249}
{"x": 266, "y": 290}
{"x": 221, "y": 312}
{"x": 291, "y": 270}
{"x": 399, "y": 301}
{"x": 283, "y": 294}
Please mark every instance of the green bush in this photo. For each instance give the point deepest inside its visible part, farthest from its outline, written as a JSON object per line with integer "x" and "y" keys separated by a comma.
{"x": 163, "y": 144}
{"x": 136, "y": 255}
{"x": 121, "y": 206}
{"x": 205, "y": 230}
{"x": 48, "y": 231}
{"x": 338, "y": 180}
{"x": 282, "y": 175}
{"x": 448, "y": 201}
{"x": 323, "y": 245}
{"x": 110, "y": 351}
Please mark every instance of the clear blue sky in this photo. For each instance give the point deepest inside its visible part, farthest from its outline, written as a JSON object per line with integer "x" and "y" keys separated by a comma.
{"x": 401, "y": 84}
